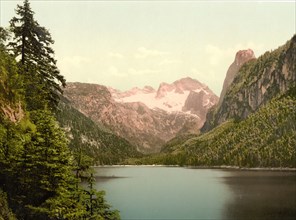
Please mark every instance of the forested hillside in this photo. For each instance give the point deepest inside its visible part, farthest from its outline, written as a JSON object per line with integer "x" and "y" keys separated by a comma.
{"x": 102, "y": 146}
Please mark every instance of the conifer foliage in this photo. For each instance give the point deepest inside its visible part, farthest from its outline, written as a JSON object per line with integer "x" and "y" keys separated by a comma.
{"x": 37, "y": 168}
{"x": 32, "y": 46}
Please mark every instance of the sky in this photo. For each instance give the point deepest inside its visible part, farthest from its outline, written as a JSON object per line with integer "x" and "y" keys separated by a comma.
{"x": 124, "y": 44}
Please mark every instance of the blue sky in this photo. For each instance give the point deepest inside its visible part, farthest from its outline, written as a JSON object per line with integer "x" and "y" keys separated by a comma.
{"x": 124, "y": 44}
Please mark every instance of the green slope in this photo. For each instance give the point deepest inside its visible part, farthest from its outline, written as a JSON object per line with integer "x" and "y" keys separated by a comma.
{"x": 266, "y": 138}
{"x": 94, "y": 140}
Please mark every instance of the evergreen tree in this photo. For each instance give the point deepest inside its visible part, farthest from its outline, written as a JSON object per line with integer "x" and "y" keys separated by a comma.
{"x": 3, "y": 36}
{"x": 32, "y": 46}
{"x": 36, "y": 165}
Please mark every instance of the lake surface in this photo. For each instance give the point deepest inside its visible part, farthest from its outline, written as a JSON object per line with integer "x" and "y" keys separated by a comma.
{"x": 182, "y": 193}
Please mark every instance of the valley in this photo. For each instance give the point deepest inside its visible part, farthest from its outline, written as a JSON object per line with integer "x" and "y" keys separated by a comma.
{"x": 126, "y": 101}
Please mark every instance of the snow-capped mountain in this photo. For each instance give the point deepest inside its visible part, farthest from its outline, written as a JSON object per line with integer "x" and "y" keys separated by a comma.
{"x": 176, "y": 97}
{"x": 146, "y": 117}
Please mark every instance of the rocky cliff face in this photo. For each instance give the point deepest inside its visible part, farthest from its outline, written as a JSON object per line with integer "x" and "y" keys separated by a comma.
{"x": 255, "y": 84}
{"x": 241, "y": 58}
{"x": 145, "y": 117}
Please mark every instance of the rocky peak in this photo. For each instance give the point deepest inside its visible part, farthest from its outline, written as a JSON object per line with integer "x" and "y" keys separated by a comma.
{"x": 171, "y": 97}
{"x": 188, "y": 84}
{"x": 87, "y": 88}
{"x": 88, "y": 95}
{"x": 255, "y": 84}
{"x": 241, "y": 57}
{"x": 163, "y": 89}
{"x": 116, "y": 94}
{"x": 179, "y": 86}
{"x": 148, "y": 89}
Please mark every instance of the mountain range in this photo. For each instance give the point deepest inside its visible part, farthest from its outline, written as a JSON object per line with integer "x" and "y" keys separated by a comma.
{"x": 146, "y": 117}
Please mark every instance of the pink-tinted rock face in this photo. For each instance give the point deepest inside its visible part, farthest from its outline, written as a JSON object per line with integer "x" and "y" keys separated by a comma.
{"x": 241, "y": 58}
{"x": 145, "y": 117}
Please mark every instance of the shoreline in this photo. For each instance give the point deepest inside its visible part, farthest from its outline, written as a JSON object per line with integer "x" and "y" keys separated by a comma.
{"x": 206, "y": 167}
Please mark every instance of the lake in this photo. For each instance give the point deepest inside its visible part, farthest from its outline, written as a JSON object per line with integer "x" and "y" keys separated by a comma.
{"x": 149, "y": 193}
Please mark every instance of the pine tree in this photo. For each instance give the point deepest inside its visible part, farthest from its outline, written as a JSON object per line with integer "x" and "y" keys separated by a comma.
{"x": 3, "y": 37}
{"x": 45, "y": 167}
{"x": 31, "y": 45}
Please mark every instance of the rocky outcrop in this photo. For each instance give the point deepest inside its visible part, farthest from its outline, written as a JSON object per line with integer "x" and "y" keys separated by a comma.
{"x": 179, "y": 86}
{"x": 256, "y": 83}
{"x": 241, "y": 58}
{"x": 199, "y": 103}
{"x": 13, "y": 113}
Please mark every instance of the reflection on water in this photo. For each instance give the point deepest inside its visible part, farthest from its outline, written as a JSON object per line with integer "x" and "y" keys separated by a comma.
{"x": 178, "y": 193}
{"x": 261, "y": 195}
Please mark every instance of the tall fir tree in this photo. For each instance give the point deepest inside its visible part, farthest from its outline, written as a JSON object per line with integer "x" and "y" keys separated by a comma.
{"x": 36, "y": 166}
{"x": 31, "y": 45}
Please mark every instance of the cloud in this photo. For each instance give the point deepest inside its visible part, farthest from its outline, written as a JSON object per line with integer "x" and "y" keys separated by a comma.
{"x": 215, "y": 54}
{"x": 114, "y": 72}
{"x": 73, "y": 65}
{"x": 170, "y": 62}
{"x": 76, "y": 61}
{"x": 142, "y": 72}
{"x": 115, "y": 55}
{"x": 143, "y": 52}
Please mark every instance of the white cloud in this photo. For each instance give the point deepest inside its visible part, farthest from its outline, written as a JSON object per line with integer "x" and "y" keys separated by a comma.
{"x": 115, "y": 55}
{"x": 112, "y": 70}
{"x": 142, "y": 72}
{"x": 143, "y": 52}
{"x": 72, "y": 66}
{"x": 115, "y": 72}
{"x": 74, "y": 61}
{"x": 170, "y": 62}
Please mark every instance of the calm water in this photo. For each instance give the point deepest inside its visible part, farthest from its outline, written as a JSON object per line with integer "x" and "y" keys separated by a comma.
{"x": 182, "y": 193}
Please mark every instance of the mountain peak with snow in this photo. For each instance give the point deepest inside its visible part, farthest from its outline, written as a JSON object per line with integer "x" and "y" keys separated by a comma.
{"x": 146, "y": 117}
{"x": 180, "y": 86}
{"x": 171, "y": 97}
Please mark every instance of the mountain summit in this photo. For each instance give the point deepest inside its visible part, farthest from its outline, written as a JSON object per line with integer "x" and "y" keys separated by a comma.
{"x": 175, "y": 97}
{"x": 255, "y": 84}
{"x": 241, "y": 57}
